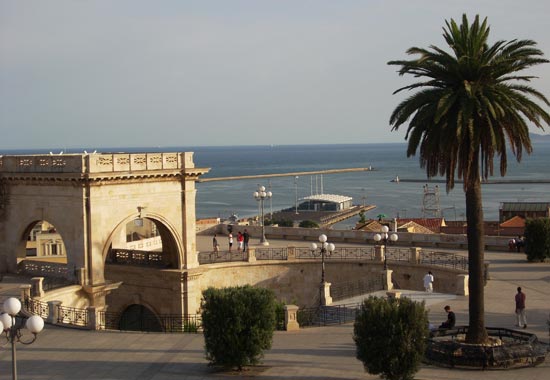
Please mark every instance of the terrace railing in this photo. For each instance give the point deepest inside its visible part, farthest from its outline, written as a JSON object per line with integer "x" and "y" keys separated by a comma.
{"x": 326, "y": 315}
{"x": 137, "y": 257}
{"x": 72, "y": 316}
{"x": 444, "y": 259}
{"x": 271, "y": 253}
{"x": 340, "y": 253}
{"x": 372, "y": 283}
{"x": 222, "y": 257}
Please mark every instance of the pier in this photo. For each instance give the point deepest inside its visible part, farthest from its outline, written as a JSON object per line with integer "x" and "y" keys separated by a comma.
{"x": 325, "y": 219}
{"x": 291, "y": 174}
{"x": 487, "y": 182}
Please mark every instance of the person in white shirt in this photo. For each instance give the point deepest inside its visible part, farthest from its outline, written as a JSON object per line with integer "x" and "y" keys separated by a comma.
{"x": 428, "y": 282}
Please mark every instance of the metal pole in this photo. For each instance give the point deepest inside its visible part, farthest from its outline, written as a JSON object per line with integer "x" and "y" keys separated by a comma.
{"x": 13, "y": 350}
{"x": 270, "y": 203}
{"x": 296, "y": 194}
{"x": 262, "y": 213}
{"x": 385, "y": 245}
{"x": 322, "y": 265}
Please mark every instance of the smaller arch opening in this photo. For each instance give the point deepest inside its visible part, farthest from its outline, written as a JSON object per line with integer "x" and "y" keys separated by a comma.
{"x": 139, "y": 318}
{"x": 44, "y": 255}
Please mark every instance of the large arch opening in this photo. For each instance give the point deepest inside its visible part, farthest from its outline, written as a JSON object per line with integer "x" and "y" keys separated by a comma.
{"x": 144, "y": 242}
{"x": 142, "y": 255}
{"x": 42, "y": 253}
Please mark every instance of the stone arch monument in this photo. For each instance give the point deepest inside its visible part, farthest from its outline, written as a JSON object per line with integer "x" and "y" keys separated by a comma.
{"x": 87, "y": 197}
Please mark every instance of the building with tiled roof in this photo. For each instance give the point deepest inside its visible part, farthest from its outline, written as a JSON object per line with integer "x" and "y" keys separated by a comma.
{"x": 514, "y": 222}
{"x": 524, "y": 209}
{"x": 433, "y": 224}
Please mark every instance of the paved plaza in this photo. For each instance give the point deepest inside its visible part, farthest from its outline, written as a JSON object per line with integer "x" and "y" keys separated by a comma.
{"x": 319, "y": 353}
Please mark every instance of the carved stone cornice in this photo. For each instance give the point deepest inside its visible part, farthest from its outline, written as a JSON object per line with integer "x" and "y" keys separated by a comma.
{"x": 104, "y": 178}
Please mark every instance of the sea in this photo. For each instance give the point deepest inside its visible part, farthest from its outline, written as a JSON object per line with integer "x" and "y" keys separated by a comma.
{"x": 375, "y": 187}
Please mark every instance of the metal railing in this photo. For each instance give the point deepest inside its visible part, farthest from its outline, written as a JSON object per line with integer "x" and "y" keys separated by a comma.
{"x": 136, "y": 257}
{"x": 326, "y": 315}
{"x": 42, "y": 268}
{"x": 340, "y": 253}
{"x": 398, "y": 254}
{"x": 36, "y": 307}
{"x": 444, "y": 259}
{"x": 72, "y": 316}
{"x": 221, "y": 257}
{"x": 271, "y": 253}
{"x": 167, "y": 323}
{"x": 356, "y": 288}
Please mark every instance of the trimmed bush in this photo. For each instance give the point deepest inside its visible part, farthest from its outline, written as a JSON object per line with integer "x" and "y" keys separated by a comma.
{"x": 238, "y": 325}
{"x": 391, "y": 337}
{"x": 308, "y": 224}
{"x": 537, "y": 239}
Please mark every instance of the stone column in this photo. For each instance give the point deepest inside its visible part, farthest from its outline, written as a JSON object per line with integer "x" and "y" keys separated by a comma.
{"x": 53, "y": 312}
{"x": 414, "y": 256}
{"x": 37, "y": 287}
{"x": 93, "y": 320}
{"x": 82, "y": 276}
{"x": 379, "y": 253}
{"x": 291, "y": 253}
{"x": 25, "y": 292}
{"x": 326, "y": 299}
{"x": 462, "y": 285}
{"x": 251, "y": 255}
{"x": 291, "y": 319}
{"x": 386, "y": 279}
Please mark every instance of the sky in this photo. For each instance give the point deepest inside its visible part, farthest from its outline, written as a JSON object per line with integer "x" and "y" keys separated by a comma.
{"x": 133, "y": 73}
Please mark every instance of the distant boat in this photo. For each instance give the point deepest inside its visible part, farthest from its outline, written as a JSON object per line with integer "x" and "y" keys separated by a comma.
{"x": 396, "y": 179}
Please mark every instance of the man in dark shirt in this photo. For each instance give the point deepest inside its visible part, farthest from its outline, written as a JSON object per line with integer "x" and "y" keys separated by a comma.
{"x": 451, "y": 319}
{"x": 246, "y": 237}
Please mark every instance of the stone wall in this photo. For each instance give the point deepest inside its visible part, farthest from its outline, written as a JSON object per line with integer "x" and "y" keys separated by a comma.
{"x": 293, "y": 281}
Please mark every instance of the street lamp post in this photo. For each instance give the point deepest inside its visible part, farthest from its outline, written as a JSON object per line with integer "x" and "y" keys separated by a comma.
{"x": 383, "y": 237}
{"x": 324, "y": 249}
{"x": 261, "y": 195}
{"x": 12, "y": 329}
{"x": 296, "y": 194}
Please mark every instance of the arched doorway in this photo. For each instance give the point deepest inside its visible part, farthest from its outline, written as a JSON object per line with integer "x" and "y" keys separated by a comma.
{"x": 139, "y": 318}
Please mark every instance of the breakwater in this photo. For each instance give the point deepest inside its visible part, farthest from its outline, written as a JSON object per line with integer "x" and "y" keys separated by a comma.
{"x": 487, "y": 182}
{"x": 291, "y": 174}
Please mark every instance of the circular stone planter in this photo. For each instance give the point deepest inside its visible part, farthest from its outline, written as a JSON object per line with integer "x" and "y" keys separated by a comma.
{"x": 507, "y": 349}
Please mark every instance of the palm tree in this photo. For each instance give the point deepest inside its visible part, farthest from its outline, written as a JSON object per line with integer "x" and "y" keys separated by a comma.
{"x": 469, "y": 105}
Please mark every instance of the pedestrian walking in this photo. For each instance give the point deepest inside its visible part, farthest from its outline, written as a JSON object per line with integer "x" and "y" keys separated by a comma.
{"x": 215, "y": 245}
{"x": 246, "y": 238}
{"x": 520, "y": 309}
{"x": 230, "y": 238}
{"x": 428, "y": 282}
{"x": 240, "y": 241}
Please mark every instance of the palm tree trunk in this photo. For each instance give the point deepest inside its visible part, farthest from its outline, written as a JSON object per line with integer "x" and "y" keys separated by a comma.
{"x": 476, "y": 246}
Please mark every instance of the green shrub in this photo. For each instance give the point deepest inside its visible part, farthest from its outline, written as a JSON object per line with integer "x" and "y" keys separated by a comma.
{"x": 390, "y": 337}
{"x": 308, "y": 224}
{"x": 279, "y": 316}
{"x": 537, "y": 239}
{"x": 238, "y": 325}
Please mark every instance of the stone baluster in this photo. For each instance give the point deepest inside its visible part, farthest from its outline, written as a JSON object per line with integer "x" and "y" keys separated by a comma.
{"x": 414, "y": 256}
{"x": 251, "y": 255}
{"x": 291, "y": 318}
{"x": 37, "y": 284}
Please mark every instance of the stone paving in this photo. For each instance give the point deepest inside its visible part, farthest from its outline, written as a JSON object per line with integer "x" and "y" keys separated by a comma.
{"x": 321, "y": 353}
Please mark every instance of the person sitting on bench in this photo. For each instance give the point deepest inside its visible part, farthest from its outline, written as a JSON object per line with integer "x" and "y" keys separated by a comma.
{"x": 451, "y": 319}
